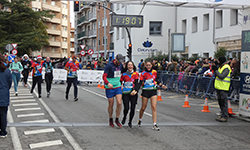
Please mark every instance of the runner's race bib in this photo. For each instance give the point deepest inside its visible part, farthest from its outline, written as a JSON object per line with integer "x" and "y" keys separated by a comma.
{"x": 25, "y": 67}
{"x": 117, "y": 74}
{"x": 128, "y": 85}
{"x": 73, "y": 73}
{"x": 39, "y": 67}
{"x": 48, "y": 70}
{"x": 149, "y": 82}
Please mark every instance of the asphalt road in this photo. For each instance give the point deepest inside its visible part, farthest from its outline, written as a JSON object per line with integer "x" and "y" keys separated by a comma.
{"x": 66, "y": 124}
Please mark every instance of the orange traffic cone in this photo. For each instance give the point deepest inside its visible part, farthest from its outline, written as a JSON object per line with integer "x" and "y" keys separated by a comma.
{"x": 99, "y": 84}
{"x": 159, "y": 95}
{"x": 230, "y": 111}
{"x": 205, "y": 107}
{"x": 186, "y": 103}
{"x": 102, "y": 87}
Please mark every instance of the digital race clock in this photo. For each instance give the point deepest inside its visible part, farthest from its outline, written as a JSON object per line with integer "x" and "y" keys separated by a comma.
{"x": 127, "y": 21}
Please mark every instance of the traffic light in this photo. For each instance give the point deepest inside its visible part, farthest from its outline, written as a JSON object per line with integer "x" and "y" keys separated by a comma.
{"x": 76, "y": 5}
{"x": 129, "y": 51}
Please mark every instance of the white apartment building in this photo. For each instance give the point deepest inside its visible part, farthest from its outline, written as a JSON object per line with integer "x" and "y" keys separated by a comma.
{"x": 203, "y": 35}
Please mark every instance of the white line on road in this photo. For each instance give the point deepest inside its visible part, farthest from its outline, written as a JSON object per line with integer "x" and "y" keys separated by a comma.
{"x": 21, "y": 94}
{"x": 66, "y": 133}
{"x": 26, "y": 109}
{"x": 26, "y": 104}
{"x": 21, "y": 97}
{"x": 39, "y": 131}
{"x": 15, "y": 138}
{"x": 106, "y": 98}
{"x": 30, "y": 115}
{"x": 46, "y": 144}
{"x": 37, "y": 121}
{"x": 25, "y": 100}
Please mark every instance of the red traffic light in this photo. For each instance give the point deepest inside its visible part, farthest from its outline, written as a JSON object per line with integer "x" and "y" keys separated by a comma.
{"x": 76, "y": 2}
{"x": 129, "y": 45}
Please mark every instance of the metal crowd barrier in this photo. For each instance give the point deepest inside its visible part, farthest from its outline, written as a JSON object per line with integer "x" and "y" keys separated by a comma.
{"x": 196, "y": 85}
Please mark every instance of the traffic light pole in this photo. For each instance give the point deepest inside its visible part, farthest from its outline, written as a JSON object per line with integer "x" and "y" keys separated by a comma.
{"x": 129, "y": 36}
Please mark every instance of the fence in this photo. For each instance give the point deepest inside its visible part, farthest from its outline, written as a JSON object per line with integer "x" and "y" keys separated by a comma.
{"x": 196, "y": 85}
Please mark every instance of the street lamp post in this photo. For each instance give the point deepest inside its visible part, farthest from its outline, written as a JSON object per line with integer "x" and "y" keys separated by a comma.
{"x": 129, "y": 36}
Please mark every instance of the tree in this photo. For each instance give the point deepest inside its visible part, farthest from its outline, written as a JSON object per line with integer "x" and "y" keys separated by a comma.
{"x": 23, "y": 26}
{"x": 221, "y": 52}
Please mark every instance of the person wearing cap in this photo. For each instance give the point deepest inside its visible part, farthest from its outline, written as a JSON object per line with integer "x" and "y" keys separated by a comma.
{"x": 72, "y": 67}
{"x": 111, "y": 78}
{"x": 222, "y": 85}
{"x": 26, "y": 68}
{"x": 16, "y": 67}
{"x": 37, "y": 68}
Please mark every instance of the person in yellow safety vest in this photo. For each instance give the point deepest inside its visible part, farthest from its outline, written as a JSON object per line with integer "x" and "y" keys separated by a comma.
{"x": 222, "y": 85}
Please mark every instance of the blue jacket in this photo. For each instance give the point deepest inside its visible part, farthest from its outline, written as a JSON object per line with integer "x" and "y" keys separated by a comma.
{"x": 5, "y": 82}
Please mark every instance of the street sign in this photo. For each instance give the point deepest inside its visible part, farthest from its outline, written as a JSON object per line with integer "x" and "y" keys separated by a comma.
{"x": 90, "y": 51}
{"x": 82, "y": 46}
{"x": 8, "y": 47}
{"x": 14, "y": 45}
{"x": 11, "y": 57}
{"x": 14, "y": 51}
{"x": 82, "y": 52}
{"x": 127, "y": 21}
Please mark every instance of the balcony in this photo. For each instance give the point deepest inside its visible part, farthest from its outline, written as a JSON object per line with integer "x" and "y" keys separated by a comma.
{"x": 111, "y": 46}
{"x": 55, "y": 43}
{"x": 111, "y": 29}
{"x": 65, "y": 55}
{"x": 54, "y": 32}
{"x": 64, "y": 11}
{"x": 52, "y": 54}
{"x": 84, "y": 5}
{"x": 36, "y": 4}
{"x": 80, "y": 35}
{"x": 92, "y": 33}
{"x": 72, "y": 39}
{"x": 92, "y": 17}
{"x": 64, "y": 45}
{"x": 64, "y": 33}
{"x": 50, "y": 7}
{"x": 64, "y": 22}
{"x": 72, "y": 49}
{"x": 81, "y": 20}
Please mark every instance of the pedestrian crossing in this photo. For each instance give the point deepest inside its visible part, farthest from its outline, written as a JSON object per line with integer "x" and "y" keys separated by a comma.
{"x": 27, "y": 109}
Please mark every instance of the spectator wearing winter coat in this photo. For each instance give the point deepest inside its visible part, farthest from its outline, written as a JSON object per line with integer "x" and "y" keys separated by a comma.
{"x": 173, "y": 66}
{"x": 5, "y": 82}
{"x": 205, "y": 67}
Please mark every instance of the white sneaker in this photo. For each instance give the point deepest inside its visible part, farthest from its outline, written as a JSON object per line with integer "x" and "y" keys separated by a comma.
{"x": 155, "y": 127}
{"x": 16, "y": 93}
{"x": 3, "y": 136}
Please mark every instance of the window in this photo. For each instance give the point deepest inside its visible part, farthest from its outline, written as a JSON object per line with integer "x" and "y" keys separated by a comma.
{"x": 123, "y": 5}
{"x": 194, "y": 24}
{"x": 233, "y": 17}
{"x": 94, "y": 43}
{"x": 99, "y": 42}
{"x": 44, "y": 49}
{"x": 44, "y": 1}
{"x": 38, "y": 0}
{"x": 205, "y": 55}
{"x": 64, "y": 28}
{"x": 219, "y": 19}
{"x": 117, "y": 6}
{"x": 53, "y": 26}
{"x": 99, "y": 24}
{"x": 104, "y": 22}
{"x": 71, "y": 35}
{"x": 104, "y": 41}
{"x": 117, "y": 33}
{"x": 53, "y": 3}
{"x": 71, "y": 44}
{"x": 184, "y": 26}
{"x": 64, "y": 50}
{"x": 155, "y": 28}
{"x": 62, "y": 16}
{"x": 64, "y": 39}
{"x": 53, "y": 50}
{"x": 205, "y": 22}
{"x": 123, "y": 33}
{"x": 34, "y": 9}
{"x": 65, "y": 17}
{"x": 53, "y": 38}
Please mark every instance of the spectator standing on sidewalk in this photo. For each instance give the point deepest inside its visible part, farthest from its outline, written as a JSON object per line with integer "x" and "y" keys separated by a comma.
{"x": 5, "y": 82}
{"x": 139, "y": 65}
{"x": 222, "y": 85}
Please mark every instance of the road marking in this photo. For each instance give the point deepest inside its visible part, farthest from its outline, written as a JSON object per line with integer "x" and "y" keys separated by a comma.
{"x": 145, "y": 113}
{"x": 21, "y": 97}
{"x": 30, "y": 115}
{"x": 66, "y": 133}
{"x": 46, "y": 144}
{"x": 95, "y": 93}
{"x": 37, "y": 121}
{"x": 14, "y": 136}
{"x": 39, "y": 131}
{"x": 26, "y": 109}
{"x": 25, "y": 100}
{"x": 21, "y": 94}
{"x": 26, "y": 104}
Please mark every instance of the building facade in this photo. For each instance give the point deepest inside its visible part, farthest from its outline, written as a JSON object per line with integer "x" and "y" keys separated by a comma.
{"x": 58, "y": 28}
{"x": 72, "y": 41}
{"x": 206, "y": 30}
{"x": 89, "y": 31}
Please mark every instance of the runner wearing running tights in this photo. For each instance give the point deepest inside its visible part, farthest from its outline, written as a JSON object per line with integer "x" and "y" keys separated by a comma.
{"x": 129, "y": 81}
{"x": 149, "y": 81}
{"x": 111, "y": 78}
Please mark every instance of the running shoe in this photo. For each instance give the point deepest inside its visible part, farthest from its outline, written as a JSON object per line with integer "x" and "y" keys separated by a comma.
{"x": 139, "y": 123}
{"x": 48, "y": 94}
{"x": 123, "y": 120}
{"x": 155, "y": 127}
{"x": 111, "y": 123}
{"x": 117, "y": 122}
{"x": 66, "y": 97}
{"x": 3, "y": 136}
{"x": 39, "y": 96}
{"x": 130, "y": 125}
{"x": 16, "y": 93}
{"x": 75, "y": 99}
